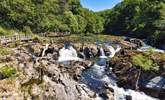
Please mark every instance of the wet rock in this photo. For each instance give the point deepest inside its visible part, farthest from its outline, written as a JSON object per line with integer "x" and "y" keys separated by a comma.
{"x": 55, "y": 55}
{"x": 107, "y": 94}
{"x": 121, "y": 68}
{"x": 94, "y": 50}
{"x": 87, "y": 53}
{"x": 78, "y": 46}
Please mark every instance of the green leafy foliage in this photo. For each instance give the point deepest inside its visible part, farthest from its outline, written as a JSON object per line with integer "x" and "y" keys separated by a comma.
{"x": 137, "y": 18}
{"x": 4, "y": 31}
{"x": 48, "y": 15}
{"x": 7, "y": 71}
{"x": 4, "y": 51}
{"x": 145, "y": 62}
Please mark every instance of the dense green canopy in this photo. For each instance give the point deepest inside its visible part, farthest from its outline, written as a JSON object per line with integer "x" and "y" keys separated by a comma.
{"x": 48, "y": 15}
{"x": 137, "y": 18}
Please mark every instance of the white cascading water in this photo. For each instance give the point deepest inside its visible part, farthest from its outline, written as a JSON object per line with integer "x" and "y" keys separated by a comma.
{"x": 46, "y": 47}
{"x": 119, "y": 93}
{"x": 102, "y": 55}
{"x": 146, "y": 47}
{"x": 112, "y": 51}
{"x": 68, "y": 54}
{"x": 98, "y": 69}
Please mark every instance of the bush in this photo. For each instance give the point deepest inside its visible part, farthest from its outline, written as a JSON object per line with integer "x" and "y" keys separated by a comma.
{"x": 2, "y": 31}
{"x": 36, "y": 38}
{"x": 27, "y": 30}
{"x": 4, "y": 51}
{"x": 6, "y": 31}
{"x": 7, "y": 71}
{"x": 144, "y": 62}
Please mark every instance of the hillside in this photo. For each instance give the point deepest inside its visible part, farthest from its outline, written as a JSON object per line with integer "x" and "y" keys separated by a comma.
{"x": 138, "y": 18}
{"x": 143, "y": 19}
{"x": 48, "y": 15}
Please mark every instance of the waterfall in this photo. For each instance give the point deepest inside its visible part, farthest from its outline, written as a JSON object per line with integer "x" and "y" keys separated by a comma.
{"x": 68, "y": 53}
{"x": 46, "y": 47}
{"x": 102, "y": 53}
{"x": 118, "y": 48}
{"x": 96, "y": 77}
{"x": 112, "y": 51}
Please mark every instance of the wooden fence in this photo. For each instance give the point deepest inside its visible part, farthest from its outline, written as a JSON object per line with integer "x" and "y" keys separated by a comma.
{"x": 13, "y": 38}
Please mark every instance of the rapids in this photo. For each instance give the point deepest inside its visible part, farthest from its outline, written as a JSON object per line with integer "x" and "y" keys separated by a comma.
{"x": 97, "y": 77}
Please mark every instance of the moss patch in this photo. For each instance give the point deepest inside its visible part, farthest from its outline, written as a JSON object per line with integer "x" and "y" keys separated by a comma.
{"x": 4, "y": 51}
{"x": 85, "y": 38}
{"x": 7, "y": 71}
{"x": 145, "y": 61}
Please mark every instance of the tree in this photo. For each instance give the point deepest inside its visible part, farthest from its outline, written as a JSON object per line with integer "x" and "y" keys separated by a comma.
{"x": 71, "y": 21}
{"x": 138, "y": 18}
{"x": 81, "y": 24}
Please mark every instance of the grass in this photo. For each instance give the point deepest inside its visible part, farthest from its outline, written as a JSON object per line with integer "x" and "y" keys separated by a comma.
{"x": 5, "y": 31}
{"x": 4, "y": 51}
{"x": 85, "y": 38}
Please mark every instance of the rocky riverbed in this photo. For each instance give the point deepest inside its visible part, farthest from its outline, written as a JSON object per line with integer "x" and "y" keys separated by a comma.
{"x": 40, "y": 76}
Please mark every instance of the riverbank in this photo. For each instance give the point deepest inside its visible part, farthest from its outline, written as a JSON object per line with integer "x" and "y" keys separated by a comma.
{"x": 26, "y": 74}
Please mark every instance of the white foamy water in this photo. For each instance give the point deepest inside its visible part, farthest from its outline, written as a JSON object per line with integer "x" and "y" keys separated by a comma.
{"x": 45, "y": 48}
{"x": 112, "y": 51}
{"x": 102, "y": 53}
{"x": 68, "y": 54}
{"x": 146, "y": 47}
{"x": 98, "y": 71}
{"x": 120, "y": 94}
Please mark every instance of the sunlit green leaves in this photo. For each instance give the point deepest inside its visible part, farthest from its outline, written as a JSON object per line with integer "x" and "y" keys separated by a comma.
{"x": 144, "y": 62}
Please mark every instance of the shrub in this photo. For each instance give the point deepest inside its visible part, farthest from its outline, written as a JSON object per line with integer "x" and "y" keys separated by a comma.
{"x": 4, "y": 51}
{"x": 2, "y": 31}
{"x": 36, "y": 38}
{"x": 144, "y": 62}
{"x": 27, "y": 30}
{"x": 7, "y": 71}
